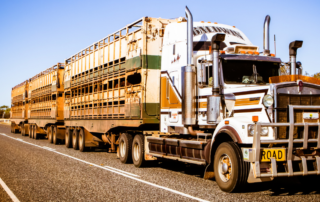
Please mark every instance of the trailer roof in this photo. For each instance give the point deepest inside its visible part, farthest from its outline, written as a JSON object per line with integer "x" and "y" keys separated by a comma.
{"x": 133, "y": 24}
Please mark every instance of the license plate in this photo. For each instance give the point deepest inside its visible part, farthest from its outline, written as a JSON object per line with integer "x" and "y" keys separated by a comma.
{"x": 310, "y": 115}
{"x": 278, "y": 154}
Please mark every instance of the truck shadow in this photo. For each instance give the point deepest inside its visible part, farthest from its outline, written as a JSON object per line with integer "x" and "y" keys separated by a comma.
{"x": 284, "y": 187}
{"x": 176, "y": 166}
{"x": 277, "y": 187}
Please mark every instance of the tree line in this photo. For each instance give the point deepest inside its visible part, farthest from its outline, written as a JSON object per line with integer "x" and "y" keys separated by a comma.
{"x": 5, "y": 111}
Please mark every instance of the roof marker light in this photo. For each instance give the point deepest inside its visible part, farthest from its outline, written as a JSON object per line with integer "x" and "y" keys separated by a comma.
{"x": 272, "y": 55}
{"x": 215, "y": 23}
{"x": 202, "y": 21}
{"x": 250, "y": 52}
{"x": 256, "y": 53}
{"x": 255, "y": 118}
{"x": 242, "y": 52}
{"x": 222, "y": 52}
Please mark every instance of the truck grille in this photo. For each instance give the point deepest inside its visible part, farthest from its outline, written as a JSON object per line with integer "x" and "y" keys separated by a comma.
{"x": 283, "y": 101}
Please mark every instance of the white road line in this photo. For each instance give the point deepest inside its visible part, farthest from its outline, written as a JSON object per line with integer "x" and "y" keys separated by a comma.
{"x": 48, "y": 148}
{"x": 122, "y": 171}
{"x": 114, "y": 171}
{"x": 9, "y": 192}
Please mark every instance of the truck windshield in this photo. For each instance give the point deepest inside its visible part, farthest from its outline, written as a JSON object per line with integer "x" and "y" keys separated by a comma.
{"x": 248, "y": 72}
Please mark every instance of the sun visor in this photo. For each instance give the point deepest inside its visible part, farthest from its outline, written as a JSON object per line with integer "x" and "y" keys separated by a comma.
{"x": 250, "y": 57}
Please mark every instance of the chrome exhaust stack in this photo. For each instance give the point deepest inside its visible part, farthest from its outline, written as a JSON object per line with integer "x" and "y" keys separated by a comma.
{"x": 266, "y": 48}
{"x": 213, "y": 102}
{"x": 189, "y": 93}
{"x": 293, "y": 46}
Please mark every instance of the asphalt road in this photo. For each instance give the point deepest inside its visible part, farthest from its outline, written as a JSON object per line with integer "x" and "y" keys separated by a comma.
{"x": 35, "y": 170}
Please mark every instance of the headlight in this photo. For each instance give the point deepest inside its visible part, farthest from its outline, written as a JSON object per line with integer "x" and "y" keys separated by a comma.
{"x": 251, "y": 130}
{"x": 264, "y": 130}
{"x": 267, "y": 100}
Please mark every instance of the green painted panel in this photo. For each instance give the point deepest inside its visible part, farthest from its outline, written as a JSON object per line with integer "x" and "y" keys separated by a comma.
{"x": 133, "y": 63}
{"x": 150, "y": 112}
{"x": 151, "y": 61}
{"x": 116, "y": 67}
{"x": 123, "y": 66}
{"x": 145, "y": 61}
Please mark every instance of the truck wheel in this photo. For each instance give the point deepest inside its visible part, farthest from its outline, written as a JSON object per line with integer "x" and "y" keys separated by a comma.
{"x": 125, "y": 145}
{"x": 30, "y": 131}
{"x": 138, "y": 151}
{"x": 22, "y": 130}
{"x": 68, "y": 137}
{"x": 75, "y": 139}
{"x": 231, "y": 172}
{"x": 35, "y": 135}
{"x": 82, "y": 145}
{"x": 49, "y": 134}
{"x": 14, "y": 129}
{"x": 54, "y": 135}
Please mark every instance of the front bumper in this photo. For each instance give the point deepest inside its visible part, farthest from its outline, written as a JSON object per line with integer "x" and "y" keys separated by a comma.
{"x": 293, "y": 153}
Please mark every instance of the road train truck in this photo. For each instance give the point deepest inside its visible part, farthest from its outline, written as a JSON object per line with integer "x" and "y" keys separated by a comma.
{"x": 19, "y": 107}
{"x": 195, "y": 92}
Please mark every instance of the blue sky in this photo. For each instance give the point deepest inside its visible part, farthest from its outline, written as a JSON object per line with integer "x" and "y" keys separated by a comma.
{"x": 35, "y": 35}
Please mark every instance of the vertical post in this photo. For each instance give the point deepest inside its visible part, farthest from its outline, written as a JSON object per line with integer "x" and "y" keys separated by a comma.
{"x": 256, "y": 147}
{"x": 275, "y": 47}
{"x": 213, "y": 106}
{"x": 266, "y": 49}
{"x": 293, "y": 46}
{"x": 188, "y": 95}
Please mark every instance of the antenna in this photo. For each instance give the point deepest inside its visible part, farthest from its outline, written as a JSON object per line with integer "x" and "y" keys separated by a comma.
{"x": 275, "y": 48}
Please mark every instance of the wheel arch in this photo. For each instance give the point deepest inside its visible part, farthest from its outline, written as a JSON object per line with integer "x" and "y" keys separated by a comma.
{"x": 224, "y": 134}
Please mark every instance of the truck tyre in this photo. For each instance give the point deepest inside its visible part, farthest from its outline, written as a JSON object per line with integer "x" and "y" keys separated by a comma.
{"x": 54, "y": 135}
{"x": 138, "y": 151}
{"x": 12, "y": 127}
{"x": 231, "y": 172}
{"x": 30, "y": 131}
{"x": 68, "y": 137}
{"x": 35, "y": 135}
{"x": 15, "y": 130}
{"x": 23, "y": 130}
{"x": 125, "y": 145}
{"x": 75, "y": 139}
{"x": 49, "y": 134}
{"x": 82, "y": 146}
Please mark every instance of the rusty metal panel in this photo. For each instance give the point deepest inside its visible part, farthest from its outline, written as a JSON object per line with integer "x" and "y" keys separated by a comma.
{"x": 132, "y": 107}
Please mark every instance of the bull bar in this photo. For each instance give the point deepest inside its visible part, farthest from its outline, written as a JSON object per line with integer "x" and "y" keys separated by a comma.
{"x": 256, "y": 149}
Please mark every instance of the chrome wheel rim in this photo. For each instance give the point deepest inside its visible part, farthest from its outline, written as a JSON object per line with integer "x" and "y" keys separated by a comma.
{"x": 122, "y": 148}
{"x": 225, "y": 168}
{"x": 136, "y": 151}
